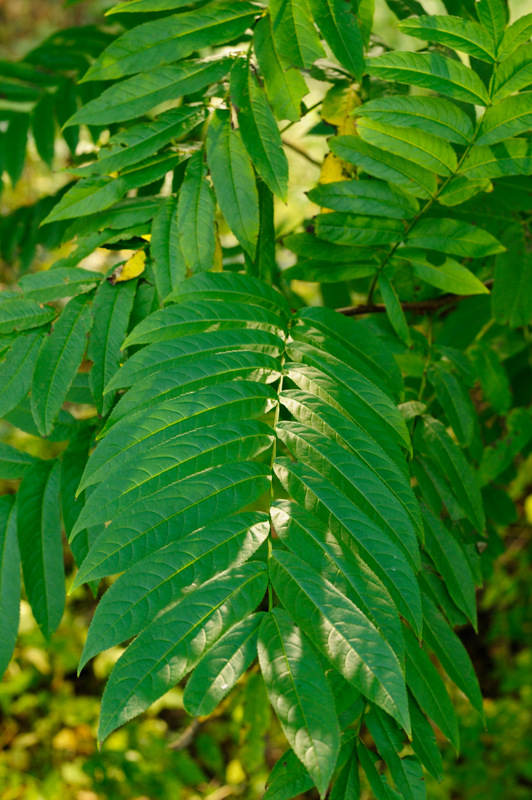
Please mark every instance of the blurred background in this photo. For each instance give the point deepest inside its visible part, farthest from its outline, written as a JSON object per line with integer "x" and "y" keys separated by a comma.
{"x": 48, "y": 715}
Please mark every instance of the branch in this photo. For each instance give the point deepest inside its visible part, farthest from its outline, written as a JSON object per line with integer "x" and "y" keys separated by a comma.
{"x": 302, "y": 152}
{"x": 417, "y": 306}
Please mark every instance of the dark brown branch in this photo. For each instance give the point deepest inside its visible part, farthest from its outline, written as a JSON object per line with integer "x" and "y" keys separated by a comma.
{"x": 417, "y": 306}
{"x": 301, "y": 152}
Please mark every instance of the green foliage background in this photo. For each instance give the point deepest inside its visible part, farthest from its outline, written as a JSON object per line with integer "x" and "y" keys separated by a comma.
{"x": 49, "y": 716}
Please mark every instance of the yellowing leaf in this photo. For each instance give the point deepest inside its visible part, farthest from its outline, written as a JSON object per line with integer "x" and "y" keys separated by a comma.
{"x": 130, "y": 269}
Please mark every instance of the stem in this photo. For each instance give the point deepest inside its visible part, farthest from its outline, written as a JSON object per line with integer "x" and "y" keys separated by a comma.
{"x": 418, "y": 306}
{"x": 295, "y": 121}
{"x": 302, "y": 152}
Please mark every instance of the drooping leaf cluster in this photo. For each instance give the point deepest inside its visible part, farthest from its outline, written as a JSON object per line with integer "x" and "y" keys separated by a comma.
{"x": 274, "y": 483}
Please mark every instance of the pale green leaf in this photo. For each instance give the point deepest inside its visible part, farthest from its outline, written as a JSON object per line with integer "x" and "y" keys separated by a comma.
{"x": 493, "y": 16}
{"x": 460, "y": 189}
{"x": 512, "y": 157}
{"x": 519, "y": 31}
{"x": 449, "y": 276}
{"x": 514, "y": 74}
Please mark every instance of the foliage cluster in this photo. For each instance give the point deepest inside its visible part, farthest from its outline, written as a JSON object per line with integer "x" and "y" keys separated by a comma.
{"x": 282, "y": 488}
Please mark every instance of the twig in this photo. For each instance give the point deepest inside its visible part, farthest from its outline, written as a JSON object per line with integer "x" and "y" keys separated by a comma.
{"x": 419, "y": 306}
{"x": 302, "y": 152}
{"x": 186, "y": 737}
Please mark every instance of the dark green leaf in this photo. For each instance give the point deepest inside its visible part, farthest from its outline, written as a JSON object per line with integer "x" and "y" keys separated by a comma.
{"x": 16, "y": 370}
{"x": 14, "y": 463}
{"x": 340, "y": 28}
{"x": 195, "y": 217}
{"x": 294, "y": 33}
{"x": 365, "y": 197}
{"x": 169, "y": 267}
{"x": 285, "y": 88}
{"x": 455, "y": 237}
{"x": 9, "y": 580}
{"x": 460, "y": 34}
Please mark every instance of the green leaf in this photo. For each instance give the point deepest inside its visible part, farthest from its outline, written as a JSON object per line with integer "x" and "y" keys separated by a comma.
{"x": 512, "y": 157}
{"x": 53, "y": 284}
{"x": 72, "y": 465}
{"x": 492, "y": 376}
{"x": 433, "y": 115}
{"x": 451, "y": 562}
{"x": 137, "y": 6}
{"x": 161, "y": 41}
{"x": 342, "y": 633}
{"x": 449, "y": 276}
{"x": 153, "y": 664}
{"x": 135, "y": 96}
{"x": 197, "y": 316}
{"x": 20, "y": 315}
{"x": 159, "y": 580}
{"x": 513, "y": 74}
{"x": 424, "y": 741}
{"x": 43, "y": 127}
{"x": 454, "y": 398}
{"x": 455, "y": 237}
{"x": 223, "y": 665}
{"x": 394, "y": 309}
{"x": 415, "y": 145}
{"x": 460, "y": 34}
{"x": 186, "y": 506}
{"x": 389, "y": 743}
{"x": 234, "y": 181}
{"x": 195, "y": 217}
{"x": 58, "y": 362}
{"x": 519, "y": 31}
{"x": 493, "y": 15}
{"x": 348, "y": 229}
{"x": 224, "y": 287}
{"x": 110, "y": 311}
{"x": 169, "y": 264}
{"x": 295, "y": 37}
{"x": 512, "y": 292}
{"x": 510, "y": 117}
{"x": 354, "y": 529}
{"x": 347, "y": 784}
{"x": 155, "y": 473}
{"x": 259, "y": 129}
{"x": 451, "y": 653}
{"x": 426, "y": 685}
{"x": 339, "y": 25}
{"x": 325, "y": 272}
{"x": 285, "y": 88}
{"x": 365, "y": 197}
{"x": 431, "y": 71}
{"x": 265, "y": 267}
{"x": 39, "y": 539}
{"x": 288, "y": 778}
{"x": 311, "y": 540}
{"x": 16, "y": 370}
{"x": 378, "y": 783}
{"x": 387, "y": 166}
{"x": 439, "y": 446}
{"x": 299, "y": 692}
{"x": 14, "y": 463}
{"x": 140, "y": 141}
{"x": 460, "y": 189}
{"x": 9, "y": 580}
{"x": 164, "y": 356}
{"x": 149, "y": 428}
{"x": 14, "y": 142}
